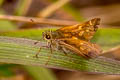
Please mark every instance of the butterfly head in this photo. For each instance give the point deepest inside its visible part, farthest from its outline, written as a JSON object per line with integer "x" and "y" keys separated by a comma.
{"x": 47, "y": 35}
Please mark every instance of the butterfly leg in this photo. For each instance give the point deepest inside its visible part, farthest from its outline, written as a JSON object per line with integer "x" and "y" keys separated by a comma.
{"x": 65, "y": 51}
{"x": 36, "y": 55}
{"x": 51, "y": 51}
{"x": 36, "y": 42}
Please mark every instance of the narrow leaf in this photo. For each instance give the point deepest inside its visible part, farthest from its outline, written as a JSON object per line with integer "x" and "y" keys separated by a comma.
{"x": 21, "y": 51}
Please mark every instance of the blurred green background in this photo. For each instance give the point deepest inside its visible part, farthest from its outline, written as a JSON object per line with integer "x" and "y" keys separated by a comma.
{"x": 71, "y": 10}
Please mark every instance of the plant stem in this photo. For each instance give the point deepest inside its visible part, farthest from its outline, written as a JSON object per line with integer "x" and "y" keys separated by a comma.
{"x": 37, "y": 20}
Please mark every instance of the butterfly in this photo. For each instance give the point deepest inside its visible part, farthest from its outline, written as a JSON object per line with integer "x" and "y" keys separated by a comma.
{"x": 75, "y": 38}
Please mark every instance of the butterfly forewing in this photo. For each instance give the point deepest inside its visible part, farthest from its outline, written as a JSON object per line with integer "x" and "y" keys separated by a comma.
{"x": 83, "y": 31}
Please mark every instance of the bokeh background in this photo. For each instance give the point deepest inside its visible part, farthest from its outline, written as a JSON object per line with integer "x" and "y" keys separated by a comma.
{"x": 71, "y": 10}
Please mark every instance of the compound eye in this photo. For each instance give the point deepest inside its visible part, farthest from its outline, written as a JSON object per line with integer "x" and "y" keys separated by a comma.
{"x": 48, "y": 37}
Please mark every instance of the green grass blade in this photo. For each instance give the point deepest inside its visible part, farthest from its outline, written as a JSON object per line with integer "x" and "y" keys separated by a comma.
{"x": 36, "y": 72}
{"x": 21, "y": 51}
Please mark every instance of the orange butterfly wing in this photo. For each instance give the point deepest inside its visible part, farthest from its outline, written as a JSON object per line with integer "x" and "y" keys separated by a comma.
{"x": 83, "y": 31}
